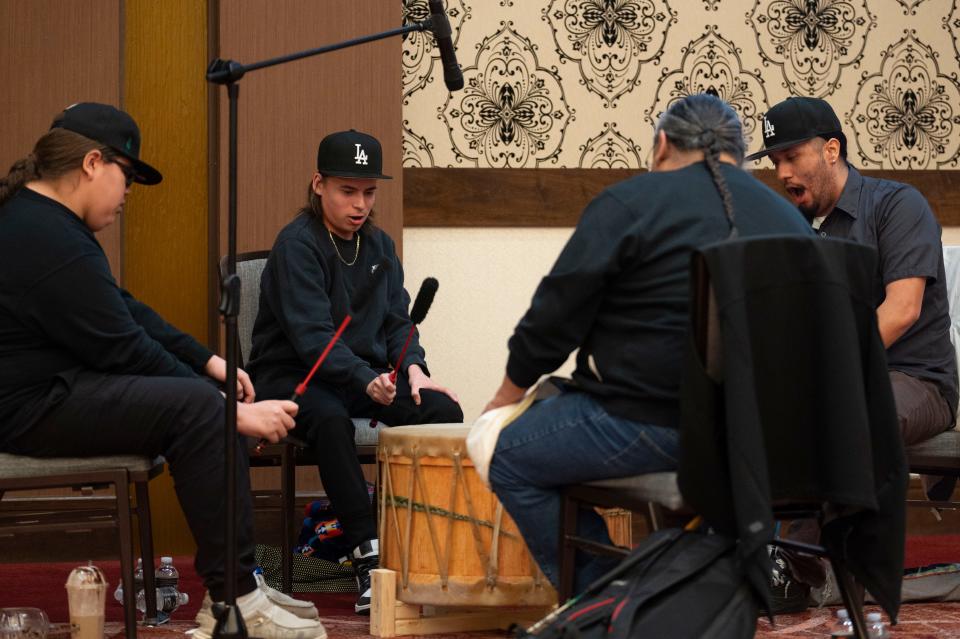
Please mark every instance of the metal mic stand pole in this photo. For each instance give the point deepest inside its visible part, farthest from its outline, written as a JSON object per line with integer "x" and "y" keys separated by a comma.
{"x": 228, "y": 72}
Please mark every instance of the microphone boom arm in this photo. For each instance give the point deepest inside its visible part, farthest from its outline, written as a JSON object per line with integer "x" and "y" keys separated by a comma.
{"x": 229, "y": 71}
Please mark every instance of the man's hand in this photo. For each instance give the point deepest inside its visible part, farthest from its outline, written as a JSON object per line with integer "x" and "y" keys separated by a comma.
{"x": 216, "y": 368}
{"x": 269, "y": 419}
{"x": 508, "y": 393}
{"x": 420, "y": 381}
{"x": 382, "y": 390}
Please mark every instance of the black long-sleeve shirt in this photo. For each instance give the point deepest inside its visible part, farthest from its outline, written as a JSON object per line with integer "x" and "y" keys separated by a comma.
{"x": 305, "y": 293}
{"x": 620, "y": 289}
{"x": 61, "y": 310}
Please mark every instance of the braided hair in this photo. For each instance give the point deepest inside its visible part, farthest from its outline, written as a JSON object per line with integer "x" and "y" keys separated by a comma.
{"x": 707, "y": 123}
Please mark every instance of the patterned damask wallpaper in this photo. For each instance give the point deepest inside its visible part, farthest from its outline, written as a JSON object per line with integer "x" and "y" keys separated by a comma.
{"x": 579, "y": 83}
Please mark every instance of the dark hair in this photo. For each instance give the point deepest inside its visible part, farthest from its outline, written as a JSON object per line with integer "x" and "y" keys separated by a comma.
{"x": 314, "y": 207}
{"x": 57, "y": 152}
{"x": 705, "y": 122}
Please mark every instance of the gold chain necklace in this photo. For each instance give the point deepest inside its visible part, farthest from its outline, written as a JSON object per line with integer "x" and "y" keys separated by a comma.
{"x": 356, "y": 255}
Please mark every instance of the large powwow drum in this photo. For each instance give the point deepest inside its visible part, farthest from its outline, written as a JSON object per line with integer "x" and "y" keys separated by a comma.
{"x": 443, "y": 532}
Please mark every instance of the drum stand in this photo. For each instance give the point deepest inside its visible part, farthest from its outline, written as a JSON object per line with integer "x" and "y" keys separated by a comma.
{"x": 392, "y": 618}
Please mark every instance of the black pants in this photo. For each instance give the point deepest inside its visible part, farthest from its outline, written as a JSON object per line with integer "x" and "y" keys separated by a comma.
{"x": 324, "y": 423}
{"x": 181, "y": 419}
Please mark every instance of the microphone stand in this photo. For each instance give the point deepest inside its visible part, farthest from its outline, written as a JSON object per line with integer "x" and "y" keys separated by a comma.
{"x": 228, "y": 72}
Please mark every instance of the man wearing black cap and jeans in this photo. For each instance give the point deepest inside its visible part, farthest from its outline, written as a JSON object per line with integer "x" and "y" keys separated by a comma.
{"x": 318, "y": 262}
{"x": 803, "y": 138}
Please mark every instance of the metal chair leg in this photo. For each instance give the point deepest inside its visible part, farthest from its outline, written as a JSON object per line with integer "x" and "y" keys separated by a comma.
{"x": 146, "y": 552}
{"x": 125, "y": 533}
{"x": 851, "y": 597}
{"x": 568, "y": 552}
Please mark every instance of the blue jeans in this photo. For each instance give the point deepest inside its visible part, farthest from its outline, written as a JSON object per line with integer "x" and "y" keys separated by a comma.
{"x": 569, "y": 439}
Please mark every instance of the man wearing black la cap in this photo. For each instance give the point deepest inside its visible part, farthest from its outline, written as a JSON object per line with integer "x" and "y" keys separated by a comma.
{"x": 803, "y": 138}
{"x": 86, "y": 369}
{"x": 319, "y": 260}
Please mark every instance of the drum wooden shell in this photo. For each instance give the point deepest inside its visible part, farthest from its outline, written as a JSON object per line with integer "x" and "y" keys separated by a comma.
{"x": 445, "y": 534}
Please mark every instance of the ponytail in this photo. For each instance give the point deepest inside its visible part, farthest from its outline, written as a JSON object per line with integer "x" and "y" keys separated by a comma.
{"x": 22, "y": 171}
{"x": 56, "y": 153}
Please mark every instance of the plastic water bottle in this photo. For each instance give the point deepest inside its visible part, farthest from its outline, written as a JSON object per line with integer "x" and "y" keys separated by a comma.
{"x": 876, "y": 629}
{"x": 137, "y": 583}
{"x": 169, "y": 597}
{"x": 844, "y": 627}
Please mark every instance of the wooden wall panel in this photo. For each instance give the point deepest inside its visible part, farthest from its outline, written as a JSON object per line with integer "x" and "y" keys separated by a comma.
{"x": 286, "y": 110}
{"x": 52, "y": 54}
{"x": 556, "y": 197}
{"x": 165, "y": 236}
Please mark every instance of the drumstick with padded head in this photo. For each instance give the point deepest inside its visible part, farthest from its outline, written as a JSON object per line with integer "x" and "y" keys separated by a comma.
{"x": 417, "y": 314}
{"x": 359, "y": 300}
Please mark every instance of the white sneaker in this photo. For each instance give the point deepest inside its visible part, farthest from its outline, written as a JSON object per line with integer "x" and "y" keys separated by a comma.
{"x": 263, "y": 619}
{"x": 298, "y": 607}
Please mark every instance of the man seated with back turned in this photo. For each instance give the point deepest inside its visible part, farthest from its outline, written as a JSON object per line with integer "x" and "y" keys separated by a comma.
{"x": 803, "y": 138}
{"x": 619, "y": 292}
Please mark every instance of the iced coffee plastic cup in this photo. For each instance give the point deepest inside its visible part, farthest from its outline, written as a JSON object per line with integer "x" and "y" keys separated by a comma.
{"x": 86, "y": 596}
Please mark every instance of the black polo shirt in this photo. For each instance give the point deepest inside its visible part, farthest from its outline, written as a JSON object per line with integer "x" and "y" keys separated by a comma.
{"x": 896, "y": 219}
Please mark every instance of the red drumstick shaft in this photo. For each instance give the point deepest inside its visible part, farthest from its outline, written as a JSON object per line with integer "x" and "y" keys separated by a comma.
{"x": 302, "y": 386}
{"x": 396, "y": 369}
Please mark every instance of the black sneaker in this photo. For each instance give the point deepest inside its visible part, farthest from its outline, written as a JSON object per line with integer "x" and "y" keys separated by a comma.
{"x": 365, "y": 558}
{"x": 789, "y": 595}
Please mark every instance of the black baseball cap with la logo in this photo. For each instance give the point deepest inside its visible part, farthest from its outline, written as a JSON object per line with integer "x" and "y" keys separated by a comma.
{"x": 112, "y": 128}
{"x": 797, "y": 120}
{"x": 351, "y": 154}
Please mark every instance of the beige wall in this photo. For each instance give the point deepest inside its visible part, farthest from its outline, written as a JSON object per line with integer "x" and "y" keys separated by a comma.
{"x": 951, "y": 236}
{"x": 487, "y": 277}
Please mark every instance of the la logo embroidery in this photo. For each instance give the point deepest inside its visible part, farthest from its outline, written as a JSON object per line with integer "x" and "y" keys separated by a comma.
{"x": 361, "y": 156}
{"x": 767, "y": 128}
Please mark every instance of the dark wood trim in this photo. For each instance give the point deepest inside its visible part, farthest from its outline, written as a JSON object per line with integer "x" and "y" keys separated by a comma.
{"x": 556, "y": 197}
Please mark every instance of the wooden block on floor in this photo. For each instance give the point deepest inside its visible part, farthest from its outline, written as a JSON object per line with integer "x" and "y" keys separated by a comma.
{"x": 383, "y": 601}
{"x": 392, "y": 618}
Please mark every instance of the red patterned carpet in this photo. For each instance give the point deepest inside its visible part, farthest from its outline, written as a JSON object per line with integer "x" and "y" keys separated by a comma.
{"x": 41, "y": 585}
{"x": 918, "y": 621}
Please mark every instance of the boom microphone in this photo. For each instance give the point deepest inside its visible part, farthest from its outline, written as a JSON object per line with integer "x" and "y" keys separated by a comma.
{"x": 360, "y": 299}
{"x": 440, "y": 25}
{"x": 424, "y": 299}
{"x": 417, "y": 314}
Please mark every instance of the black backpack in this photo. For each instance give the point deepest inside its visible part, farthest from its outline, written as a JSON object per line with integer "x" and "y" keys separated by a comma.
{"x": 675, "y": 584}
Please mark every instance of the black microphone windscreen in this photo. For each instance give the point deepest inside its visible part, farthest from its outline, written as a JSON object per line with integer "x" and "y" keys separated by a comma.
{"x": 424, "y": 299}
{"x": 362, "y": 295}
{"x": 452, "y": 75}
